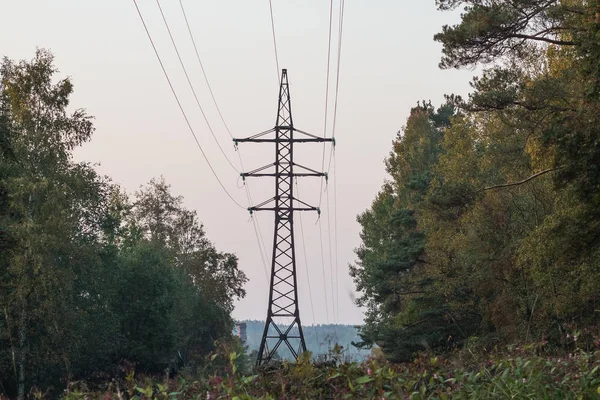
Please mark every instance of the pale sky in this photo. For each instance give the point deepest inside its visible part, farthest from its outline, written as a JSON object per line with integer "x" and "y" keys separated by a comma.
{"x": 389, "y": 62}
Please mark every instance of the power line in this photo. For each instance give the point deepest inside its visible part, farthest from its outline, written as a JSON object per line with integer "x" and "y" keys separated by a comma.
{"x": 258, "y": 232}
{"x": 260, "y": 245}
{"x": 202, "y": 68}
{"x": 326, "y": 94}
{"x": 337, "y": 79}
{"x": 333, "y": 280}
{"x": 260, "y": 249}
{"x": 256, "y": 224}
{"x": 335, "y": 227}
{"x": 192, "y": 87}
{"x": 323, "y": 166}
{"x": 312, "y": 307}
{"x": 332, "y": 154}
{"x": 327, "y": 73}
{"x": 326, "y": 114}
{"x": 255, "y": 220}
{"x": 274, "y": 40}
{"x": 181, "y": 107}
{"x": 323, "y": 270}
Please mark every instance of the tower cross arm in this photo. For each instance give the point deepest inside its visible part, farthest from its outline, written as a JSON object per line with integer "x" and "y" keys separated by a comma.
{"x": 284, "y": 140}
{"x": 302, "y": 206}
{"x": 317, "y": 209}
{"x": 264, "y": 171}
{"x": 304, "y": 137}
{"x": 280, "y": 174}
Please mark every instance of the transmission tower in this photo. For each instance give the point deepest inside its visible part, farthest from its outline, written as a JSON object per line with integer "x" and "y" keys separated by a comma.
{"x": 283, "y": 325}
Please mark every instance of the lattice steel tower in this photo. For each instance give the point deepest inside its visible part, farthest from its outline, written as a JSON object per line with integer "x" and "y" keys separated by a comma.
{"x": 283, "y": 293}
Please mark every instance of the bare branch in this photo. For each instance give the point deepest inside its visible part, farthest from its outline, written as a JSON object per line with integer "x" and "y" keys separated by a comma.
{"x": 544, "y": 39}
{"x": 520, "y": 182}
{"x": 412, "y": 292}
{"x": 417, "y": 323}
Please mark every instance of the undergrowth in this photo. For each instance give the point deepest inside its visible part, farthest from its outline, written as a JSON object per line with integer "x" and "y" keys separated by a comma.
{"x": 515, "y": 373}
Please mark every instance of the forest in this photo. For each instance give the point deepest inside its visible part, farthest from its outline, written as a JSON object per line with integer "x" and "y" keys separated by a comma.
{"x": 90, "y": 276}
{"x": 478, "y": 268}
{"x": 488, "y": 226}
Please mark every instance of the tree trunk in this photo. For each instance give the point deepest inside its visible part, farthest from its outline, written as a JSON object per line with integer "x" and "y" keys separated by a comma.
{"x": 23, "y": 319}
{"x": 22, "y": 352}
{"x": 10, "y": 341}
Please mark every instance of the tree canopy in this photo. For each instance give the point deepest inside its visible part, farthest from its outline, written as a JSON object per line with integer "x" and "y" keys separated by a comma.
{"x": 488, "y": 225}
{"x": 89, "y": 275}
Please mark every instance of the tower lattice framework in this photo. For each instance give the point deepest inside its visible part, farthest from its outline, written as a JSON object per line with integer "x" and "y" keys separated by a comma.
{"x": 283, "y": 326}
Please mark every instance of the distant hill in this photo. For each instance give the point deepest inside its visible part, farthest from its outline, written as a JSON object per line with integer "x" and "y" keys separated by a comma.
{"x": 319, "y": 339}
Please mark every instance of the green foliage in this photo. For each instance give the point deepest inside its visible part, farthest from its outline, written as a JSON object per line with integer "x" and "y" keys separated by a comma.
{"x": 500, "y": 203}
{"x": 49, "y": 213}
{"x": 517, "y": 374}
{"x": 404, "y": 312}
{"x": 89, "y": 278}
{"x": 492, "y": 29}
{"x": 563, "y": 88}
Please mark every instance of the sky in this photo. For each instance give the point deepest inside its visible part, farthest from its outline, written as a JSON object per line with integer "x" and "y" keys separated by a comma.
{"x": 389, "y": 62}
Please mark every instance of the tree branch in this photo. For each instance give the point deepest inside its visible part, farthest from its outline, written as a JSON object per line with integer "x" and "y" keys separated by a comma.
{"x": 544, "y": 39}
{"x": 520, "y": 182}
{"x": 417, "y": 323}
{"x": 413, "y": 292}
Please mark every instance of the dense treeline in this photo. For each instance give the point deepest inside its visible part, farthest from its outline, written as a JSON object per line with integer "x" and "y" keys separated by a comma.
{"x": 489, "y": 225}
{"x": 90, "y": 277}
